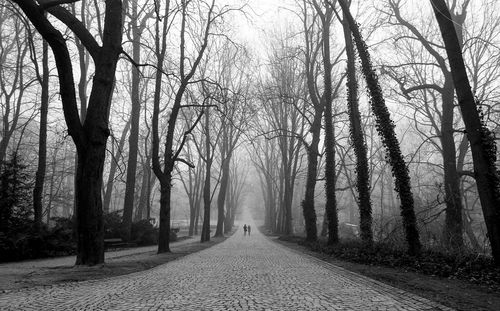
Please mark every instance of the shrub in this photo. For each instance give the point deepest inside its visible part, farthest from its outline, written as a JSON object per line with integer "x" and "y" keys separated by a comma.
{"x": 113, "y": 225}
{"x": 28, "y": 243}
{"x": 466, "y": 266}
{"x": 144, "y": 233}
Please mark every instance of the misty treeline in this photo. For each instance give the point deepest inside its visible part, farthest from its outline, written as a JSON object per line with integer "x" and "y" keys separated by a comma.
{"x": 363, "y": 120}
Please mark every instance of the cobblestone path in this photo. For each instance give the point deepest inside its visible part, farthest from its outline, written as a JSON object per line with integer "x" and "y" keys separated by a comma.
{"x": 242, "y": 273}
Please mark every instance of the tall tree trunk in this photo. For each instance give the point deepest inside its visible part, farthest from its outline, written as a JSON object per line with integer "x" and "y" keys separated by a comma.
{"x": 170, "y": 157}
{"x": 358, "y": 141}
{"x": 133, "y": 139}
{"x": 42, "y": 140}
{"x": 143, "y": 197}
{"x": 205, "y": 231}
{"x": 221, "y": 199}
{"x": 331, "y": 203}
{"x": 163, "y": 175}
{"x": 312, "y": 172}
{"x": 480, "y": 137}
{"x": 164, "y": 234}
{"x": 453, "y": 232}
{"x": 229, "y": 205}
{"x": 197, "y": 217}
{"x": 385, "y": 127}
{"x": 192, "y": 219}
{"x": 308, "y": 209}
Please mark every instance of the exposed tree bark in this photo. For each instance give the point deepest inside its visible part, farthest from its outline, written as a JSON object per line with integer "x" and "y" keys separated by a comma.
{"x": 224, "y": 182}
{"x": 385, "y": 127}
{"x": 205, "y": 231}
{"x": 480, "y": 138}
{"x": 42, "y": 139}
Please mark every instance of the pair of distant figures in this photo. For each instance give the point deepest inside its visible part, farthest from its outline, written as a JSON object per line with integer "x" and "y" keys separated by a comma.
{"x": 246, "y": 228}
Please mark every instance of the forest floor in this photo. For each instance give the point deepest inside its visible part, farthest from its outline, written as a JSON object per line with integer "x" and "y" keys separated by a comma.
{"x": 50, "y": 271}
{"x": 454, "y": 293}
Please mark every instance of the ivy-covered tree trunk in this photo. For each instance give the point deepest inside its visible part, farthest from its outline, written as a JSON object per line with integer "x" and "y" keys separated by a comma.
{"x": 358, "y": 142}
{"x": 385, "y": 127}
{"x": 480, "y": 137}
{"x": 331, "y": 203}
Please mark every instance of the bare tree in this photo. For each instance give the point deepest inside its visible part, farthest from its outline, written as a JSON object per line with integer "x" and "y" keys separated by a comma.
{"x": 312, "y": 49}
{"x": 171, "y": 156}
{"x": 43, "y": 79}
{"x": 137, "y": 24}
{"x": 481, "y": 138}
{"x": 89, "y": 137}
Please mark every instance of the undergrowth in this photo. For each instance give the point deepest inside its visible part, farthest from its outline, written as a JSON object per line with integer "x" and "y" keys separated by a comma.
{"x": 471, "y": 267}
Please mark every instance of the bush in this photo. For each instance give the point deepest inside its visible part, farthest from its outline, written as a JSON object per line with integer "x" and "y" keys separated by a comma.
{"x": 466, "y": 266}
{"x": 113, "y": 225}
{"x": 27, "y": 243}
{"x": 144, "y": 233}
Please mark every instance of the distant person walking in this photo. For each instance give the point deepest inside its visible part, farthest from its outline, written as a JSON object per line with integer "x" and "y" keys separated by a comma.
{"x": 245, "y": 229}
{"x": 249, "y": 228}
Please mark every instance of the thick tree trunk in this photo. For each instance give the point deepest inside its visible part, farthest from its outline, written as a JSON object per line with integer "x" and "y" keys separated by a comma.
{"x": 42, "y": 141}
{"x": 229, "y": 206}
{"x": 385, "y": 127}
{"x": 358, "y": 141}
{"x": 164, "y": 234}
{"x": 453, "y": 232}
{"x": 90, "y": 227}
{"x": 312, "y": 172}
{"x": 205, "y": 231}
{"x": 192, "y": 219}
{"x": 287, "y": 209}
{"x": 143, "y": 197}
{"x": 197, "y": 217}
{"x": 221, "y": 199}
{"x": 480, "y": 138}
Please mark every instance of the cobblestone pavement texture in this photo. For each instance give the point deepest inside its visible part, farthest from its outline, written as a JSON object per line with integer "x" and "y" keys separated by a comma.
{"x": 242, "y": 273}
